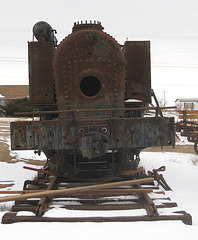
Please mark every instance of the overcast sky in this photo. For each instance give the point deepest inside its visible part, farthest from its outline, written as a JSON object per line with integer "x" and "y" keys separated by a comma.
{"x": 170, "y": 25}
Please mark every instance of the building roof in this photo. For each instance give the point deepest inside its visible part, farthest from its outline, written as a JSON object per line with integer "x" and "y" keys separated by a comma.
{"x": 14, "y": 91}
{"x": 187, "y": 99}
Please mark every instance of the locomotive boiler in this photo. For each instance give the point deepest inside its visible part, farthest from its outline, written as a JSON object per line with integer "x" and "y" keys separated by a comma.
{"x": 91, "y": 93}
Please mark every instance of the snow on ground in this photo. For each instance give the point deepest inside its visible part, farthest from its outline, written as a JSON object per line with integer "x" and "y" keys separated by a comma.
{"x": 181, "y": 174}
{"x": 28, "y": 154}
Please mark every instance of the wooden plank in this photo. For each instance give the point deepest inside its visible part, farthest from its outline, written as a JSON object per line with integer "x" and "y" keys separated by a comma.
{"x": 190, "y": 116}
{"x": 19, "y": 192}
{"x": 189, "y": 112}
{"x": 75, "y": 190}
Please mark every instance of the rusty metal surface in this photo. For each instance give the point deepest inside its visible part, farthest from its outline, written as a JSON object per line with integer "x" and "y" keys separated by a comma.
{"x": 87, "y": 25}
{"x": 119, "y": 133}
{"x": 89, "y": 71}
{"x": 138, "y": 81}
{"x": 41, "y": 86}
{"x": 81, "y": 88}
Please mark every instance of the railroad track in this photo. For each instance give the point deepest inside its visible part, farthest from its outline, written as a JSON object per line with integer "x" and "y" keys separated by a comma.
{"x": 139, "y": 196}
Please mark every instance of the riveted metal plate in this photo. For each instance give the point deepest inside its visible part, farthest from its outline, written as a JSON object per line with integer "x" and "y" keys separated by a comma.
{"x": 138, "y": 81}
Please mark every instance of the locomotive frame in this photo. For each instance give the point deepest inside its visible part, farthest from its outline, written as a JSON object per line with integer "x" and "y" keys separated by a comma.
{"x": 82, "y": 88}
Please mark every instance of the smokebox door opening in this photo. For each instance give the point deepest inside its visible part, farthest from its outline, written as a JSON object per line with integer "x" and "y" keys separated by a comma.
{"x": 90, "y": 86}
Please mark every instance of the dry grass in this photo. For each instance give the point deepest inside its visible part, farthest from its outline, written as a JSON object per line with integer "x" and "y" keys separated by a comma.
{"x": 4, "y": 147}
{"x": 6, "y": 185}
{"x": 5, "y": 154}
{"x": 177, "y": 148}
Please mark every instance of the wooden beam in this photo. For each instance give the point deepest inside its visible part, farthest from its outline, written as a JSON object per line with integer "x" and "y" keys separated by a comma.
{"x": 190, "y": 116}
{"x": 75, "y": 190}
{"x": 189, "y": 112}
{"x": 19, "y": 192}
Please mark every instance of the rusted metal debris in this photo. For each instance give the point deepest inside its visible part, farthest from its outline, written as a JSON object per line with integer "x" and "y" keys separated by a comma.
{"x": 13, "y": 218}
{"x": 159, "y": 177}
{"x": 94, "y": 197}
{"x": 44, "y": 201}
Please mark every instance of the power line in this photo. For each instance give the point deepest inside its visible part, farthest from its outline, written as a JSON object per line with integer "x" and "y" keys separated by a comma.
{"x": 18, "y": 61}
{"x": 12, "y": 45}
{"x": 16, "y": 29}
{"x": 174, "y": 66}
{"x": 154, "y": 65}
{"x": 12, "y": 77}
{"x": 12, "y": 59}
{"x": 175, "y": 85}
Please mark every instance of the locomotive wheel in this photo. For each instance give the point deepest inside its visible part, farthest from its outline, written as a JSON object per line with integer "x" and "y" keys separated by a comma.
{"x": 196, "y": 147}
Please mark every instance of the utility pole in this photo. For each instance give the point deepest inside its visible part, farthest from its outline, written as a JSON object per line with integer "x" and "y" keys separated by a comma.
{"x": 165, "y": 98}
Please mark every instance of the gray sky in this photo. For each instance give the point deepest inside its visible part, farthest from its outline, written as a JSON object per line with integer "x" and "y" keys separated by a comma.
{"x": 170, "y": 25}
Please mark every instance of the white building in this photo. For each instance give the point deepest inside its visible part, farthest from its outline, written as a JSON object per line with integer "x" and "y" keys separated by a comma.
{"x": 186, "y": 104}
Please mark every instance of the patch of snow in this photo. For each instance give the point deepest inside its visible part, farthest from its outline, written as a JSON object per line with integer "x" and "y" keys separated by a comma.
{"x": 28, "y": 154}
{"x": 59, "y": 212}
{"x": 25, "y": 213}
{"x": 133, "y": 100}
{"x": 14, "y": 172}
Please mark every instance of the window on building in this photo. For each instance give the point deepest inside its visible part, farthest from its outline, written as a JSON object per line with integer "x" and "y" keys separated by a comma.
{"x": 188, "y": 106}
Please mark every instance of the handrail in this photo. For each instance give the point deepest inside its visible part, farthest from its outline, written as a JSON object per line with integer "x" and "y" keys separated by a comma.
{"x": 92, "y": 110}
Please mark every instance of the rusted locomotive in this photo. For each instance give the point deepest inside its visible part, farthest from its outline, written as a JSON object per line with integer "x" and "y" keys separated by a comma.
{"x": 91, "y": 93}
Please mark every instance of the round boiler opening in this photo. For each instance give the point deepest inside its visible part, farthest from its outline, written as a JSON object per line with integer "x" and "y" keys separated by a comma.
{"x": 90, "y": 86}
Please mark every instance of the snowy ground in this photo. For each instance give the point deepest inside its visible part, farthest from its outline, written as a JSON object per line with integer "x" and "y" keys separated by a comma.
{"x": 181, "y": 174}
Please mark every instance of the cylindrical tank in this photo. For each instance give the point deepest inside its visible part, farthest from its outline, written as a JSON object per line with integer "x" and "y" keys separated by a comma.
{"x": 42, "y": 31}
